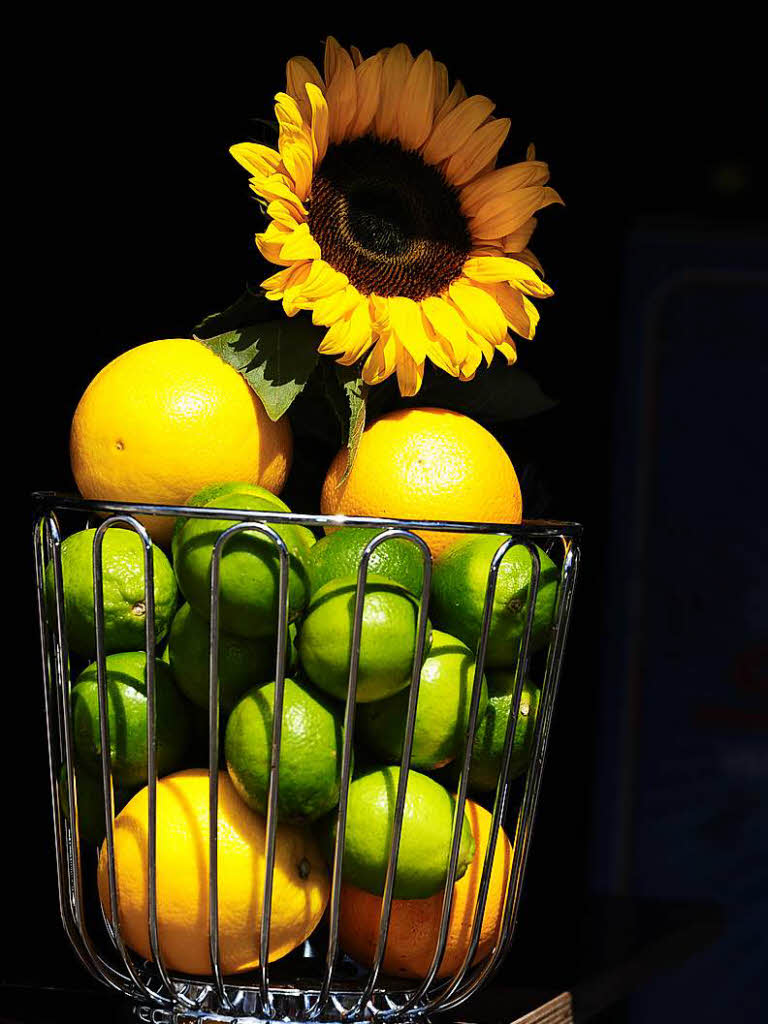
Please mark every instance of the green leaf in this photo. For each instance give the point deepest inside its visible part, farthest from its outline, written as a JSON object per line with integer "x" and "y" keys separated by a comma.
{"x": 276, "y": 357}
{"x": 252, "y": 307}
{"x": 498, "y": 394}
{"x": 356, "y": 391}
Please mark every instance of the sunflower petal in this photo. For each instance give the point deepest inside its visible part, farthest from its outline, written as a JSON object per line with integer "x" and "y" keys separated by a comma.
{"x": 489, "y": 269}
{"x": 504, "y": 214}
{"x": 275, "y": 285}
{"x": 509, "y": 350}
{"x": 456, "y": 96}
{"x": 517, "y": 240}
{"x": 319, "y": 122}
{"x": 359, "y": 337}
{"x": 406, "y": 322}
{"x": 261, "y": 161}
{"x": 294, "y": 143}
{"x": 300, "y": 245}
{"x": 481, "y": 312}
{"x": 357, "y": 57}
{"x": 456, "y": 128}
{"x": 519, "y": 312}
{"x": 501, "y": 181}
{"x": 446, "y": 321}
{"x": 417, "y": 103}
{"x": 331, "y": 308}
{"x": 341, "y": 95}
{"x": 410, "y": 374}
{"x": 441, "y": 85}
{"x": 334, "y": 340}
{"x": 397, "y": 64}
{"x": 332, "y": 56}
{"x": 381, "y": 360}
{"x": 368, "y": 75}
{"x": 482, "y": 146}
{"x": 299, "y": 71}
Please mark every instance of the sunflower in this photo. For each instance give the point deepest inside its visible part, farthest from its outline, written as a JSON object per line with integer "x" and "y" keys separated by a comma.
{"x": 390, "y": 219}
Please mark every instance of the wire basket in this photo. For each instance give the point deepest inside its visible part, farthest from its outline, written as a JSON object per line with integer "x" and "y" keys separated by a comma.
{"x": 317, "y": 982}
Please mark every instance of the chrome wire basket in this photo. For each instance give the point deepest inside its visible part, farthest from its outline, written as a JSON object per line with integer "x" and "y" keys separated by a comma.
{"x": 318, "y": 983}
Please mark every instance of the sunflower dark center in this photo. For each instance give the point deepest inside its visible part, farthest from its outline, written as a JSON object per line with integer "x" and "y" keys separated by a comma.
{"x": 387, "y": 220}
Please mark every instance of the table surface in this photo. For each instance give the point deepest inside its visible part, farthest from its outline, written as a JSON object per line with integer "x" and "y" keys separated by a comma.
{"x": 623, "y": 945}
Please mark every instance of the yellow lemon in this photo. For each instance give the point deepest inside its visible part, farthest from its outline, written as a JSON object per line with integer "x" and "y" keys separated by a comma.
{"x": 166, "y": 419}
{"x": 301, "y": 882}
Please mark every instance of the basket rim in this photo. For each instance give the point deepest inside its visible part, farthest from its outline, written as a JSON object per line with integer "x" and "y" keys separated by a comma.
{"x": 47, "y": 501}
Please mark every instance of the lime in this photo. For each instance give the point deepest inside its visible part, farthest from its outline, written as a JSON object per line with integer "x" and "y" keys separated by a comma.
{"x": 123, "y": 577}
{"x": 127, "y": 707}
{"x": 492, "y": 730}
{"x": 339, "y": 554}
{"x": 90, "y": 803}
{"x": 243, "y": 662}
{"x": 214, "y": 496}
{"x": 311, "y": 749}
{"x": 388, "y": 641}
{"x": 249, "y": 571}
{"x": 442, "y": 713}
{"x": 459, "y": 585}
{"x": 425, "y": 840}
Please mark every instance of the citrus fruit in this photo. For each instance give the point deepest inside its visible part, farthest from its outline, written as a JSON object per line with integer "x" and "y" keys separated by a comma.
{"x": 339, "y": 554}
{"x": 459, "y": 584}
{"x": 442, "y": 712}
{"x": 425, "y": 840}
{"x": 90, "y": 803}
{"x": 387, "y": 644}
{"x": 311, "y": 748}
{"x": 249, "y": 571}
{"x": 127, "y": 718}
{"x": 300, "y": 891}
{"x": 243, "y": 662}
{"x": 414, "y": 926}
{"x": 491, "y": 732}
{"x": 124, "y": 602}
{"x": 426, "y": 464}
{"x": 164, "y": 419}
{"x": 215, "y": 495}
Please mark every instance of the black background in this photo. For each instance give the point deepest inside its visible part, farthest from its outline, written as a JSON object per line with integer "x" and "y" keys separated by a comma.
{"x": 137, "y": 222}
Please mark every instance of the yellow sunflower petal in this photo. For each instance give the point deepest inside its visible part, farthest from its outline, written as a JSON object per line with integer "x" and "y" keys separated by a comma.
{"x": 456, "y": 128}
{"x": 341, "y": 95}
{"x": 417, "y": 103}
{"x": 381, "y": 360}
{"x": 258, "y": 160}
{"x": 359, "y": 338}
{"x": 410, "y": 373}
{"x": 469, "y": 366}
{"x": 276, "y": 285}
{"x": 406, "y": 322}
{"x": 284, "y": 213}
{"x": 441, "y": 85}
{"x": 333, "y": 343}
{"x": 484, "y": 346}
{"x": 482, "y": 146}
{"x": 440, "y": 353}
{"x": 322, "y": 281}
{"x": 501, "y": 181}
{"x": 517, "y": 240}
{"x": 505, "y": 268}
{"x": 519, "y": 312}
{"x": 447, "y": 322}
{"x": 299, "y": 71}
{"x": 335, "y": 306}
{"x": 509, "y": 351}
{"x": 319, "y": 122}
{"x": 456, "y": 96}
{"x": 480, "y": 311}
{"x": 505, "y": 213}
{"x": 397, "y": 64}
{"x": 357, "y": 57}
{"x": 333, "y": 51}
{"x": 527, "y": 257}
{"x": 300, "y": 245}
{"x": 294, "y": 143}
{"x": 368, "y": 75}
{"x": 270, "y": 243}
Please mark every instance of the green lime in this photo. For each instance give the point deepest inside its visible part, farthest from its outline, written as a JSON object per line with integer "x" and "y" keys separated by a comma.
{"x": 213, "y": 495}
{"x": 492, "y": 730}
{"x": 311, "y": 749}
{"x": 127, "y": 707}
{"x": 442, "y": 713}
{"x": 90, "y": 803}
{"x": 459, "y": 583}
{"x": 123, "y": 577}
{"x": 425, "y": 840}
{"x": 249, "y": 571}
{"x": 243, "y": 662}
{"x": 387, "y": 645}
{"x": 339, "y": 554}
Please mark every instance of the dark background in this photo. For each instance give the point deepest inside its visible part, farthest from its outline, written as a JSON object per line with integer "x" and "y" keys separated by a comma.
{"x": 138, "y": 222}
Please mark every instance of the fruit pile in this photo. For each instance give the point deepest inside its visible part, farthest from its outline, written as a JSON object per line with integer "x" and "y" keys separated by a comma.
{"x": 165, "y": 424}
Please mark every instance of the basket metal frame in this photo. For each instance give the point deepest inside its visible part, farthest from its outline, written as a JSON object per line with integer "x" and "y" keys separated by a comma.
{"x": 162, "y": 995}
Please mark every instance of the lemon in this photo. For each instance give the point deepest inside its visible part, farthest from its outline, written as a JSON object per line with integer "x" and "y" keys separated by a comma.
{"x": 301, "y": 883}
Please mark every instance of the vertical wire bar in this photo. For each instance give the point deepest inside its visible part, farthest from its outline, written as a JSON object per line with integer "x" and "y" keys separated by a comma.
{"x": 502, "y": 786}
{"x": 74, "y": 871}
{"x": 568, "y": 576}
{"x": 213, "y": 757}
{"x": 402, "y": 785}
{"x": 106, "y": 760}
{"x": 341, "y": 817}
{"x": 445, "y": 913}
{"x": 65, "y": 909}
